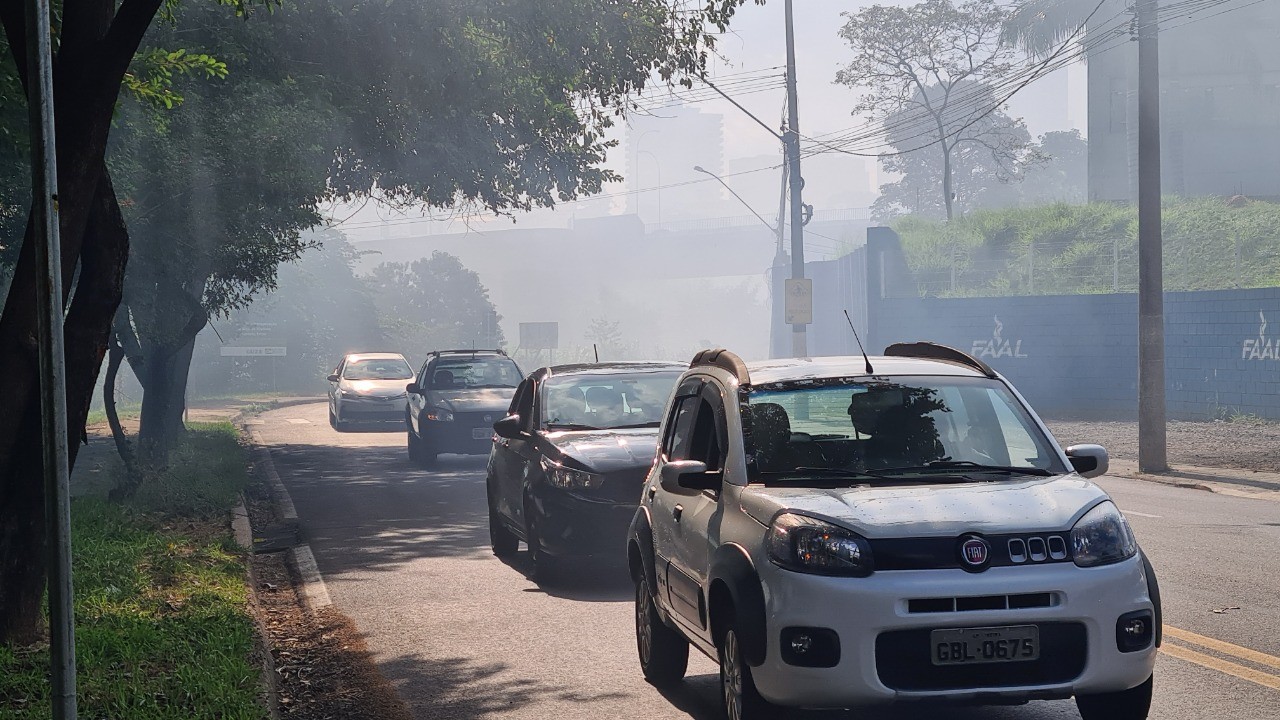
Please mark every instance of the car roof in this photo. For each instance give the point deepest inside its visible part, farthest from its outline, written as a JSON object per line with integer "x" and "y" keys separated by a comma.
{"x": 607, "y": 368}
{"x": 766, "y": 372}
{"x": 356, "y": 357}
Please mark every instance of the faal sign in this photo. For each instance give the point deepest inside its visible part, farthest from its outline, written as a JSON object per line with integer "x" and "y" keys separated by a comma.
{"x": 997, "y": 346}
{"x": 1261, "y": 347}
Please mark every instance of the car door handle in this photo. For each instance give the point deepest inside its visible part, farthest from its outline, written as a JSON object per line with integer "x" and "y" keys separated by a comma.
{"x": 653, "y": 490}
{"x": 677, "y": 512}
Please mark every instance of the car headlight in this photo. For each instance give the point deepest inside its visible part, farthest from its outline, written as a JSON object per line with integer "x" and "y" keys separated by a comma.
{"x": 439, "y": 415}
{"x": 1102, "y": 537}
{"x": 569, "y": 478}
{"x": 349, "y": 393}
{"x": 808, "y": 545}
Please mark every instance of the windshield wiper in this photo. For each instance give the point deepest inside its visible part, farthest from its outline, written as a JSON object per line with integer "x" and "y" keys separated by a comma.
{"x": 569, "y": 426}
{"x": 823, "y": 472}
{"x": 652, "y": 424}
{"x": 944, "y": 465}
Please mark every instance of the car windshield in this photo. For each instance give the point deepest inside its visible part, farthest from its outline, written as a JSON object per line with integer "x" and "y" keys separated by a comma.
{"x": 917, "y": 426}
{"x": 378, "y": 369}
{"x": 464, "y": 373}
{"x": 606, "y": 401}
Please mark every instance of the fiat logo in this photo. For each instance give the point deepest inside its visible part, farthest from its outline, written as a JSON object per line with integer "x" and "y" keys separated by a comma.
{"x": 975, "y": 552}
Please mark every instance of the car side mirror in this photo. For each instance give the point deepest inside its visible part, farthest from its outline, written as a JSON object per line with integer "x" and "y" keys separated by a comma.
{"x": 685, "y": 477}
{"x": 1090, "y": 461}
{"x": 334, "y": 378}
{"x": 508, "y": 427}
{"x": 412, "y": 388}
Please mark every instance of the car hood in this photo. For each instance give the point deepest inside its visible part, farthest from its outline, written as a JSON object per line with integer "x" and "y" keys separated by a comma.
{"x": 606, "y": 450}
{"x": 375, "y": 388}
{"x": 495, "y": 400}
{"x": 936, "y": 510}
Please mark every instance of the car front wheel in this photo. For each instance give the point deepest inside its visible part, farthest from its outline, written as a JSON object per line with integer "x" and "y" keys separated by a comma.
{"x": 545, "y": 566}
{"x": 737, "y": 688}
{"x": 664, "y": 653}
{"x": 501, "y": 539}
{"x": 1131, "y": 704}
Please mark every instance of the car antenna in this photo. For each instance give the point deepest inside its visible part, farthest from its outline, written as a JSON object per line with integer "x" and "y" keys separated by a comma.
{"x": 870, "y": 370}
{"x": 596, "y": 350}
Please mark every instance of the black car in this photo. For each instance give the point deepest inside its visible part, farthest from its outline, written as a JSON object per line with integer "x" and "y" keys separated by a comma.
{"x": 455, "y": 399}
{"x": 569, "y": 460}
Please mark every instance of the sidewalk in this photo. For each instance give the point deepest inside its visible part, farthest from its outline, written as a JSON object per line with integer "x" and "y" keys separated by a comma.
{"x": 1226, "y": 481}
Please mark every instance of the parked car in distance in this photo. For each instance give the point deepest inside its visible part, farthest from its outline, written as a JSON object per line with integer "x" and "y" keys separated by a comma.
{"x": 846, "y": 532}
{"x": 570, "y": 457}
{"x": 368, "y": 388}
{"x": 454, "y": 401}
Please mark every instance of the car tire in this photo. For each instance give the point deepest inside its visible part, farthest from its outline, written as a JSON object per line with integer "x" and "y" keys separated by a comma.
{"x": 664, "y": 653}
{"x": 414, "y": 444}
{"x": 1131, "y": 704}
{"x": 544, "y": 566}
{"x": 333, "y": 421}
{"x": 738, "y": 694}
{"x": 501, "y": 539}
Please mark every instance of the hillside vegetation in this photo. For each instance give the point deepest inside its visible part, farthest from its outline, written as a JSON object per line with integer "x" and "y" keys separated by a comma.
{"x": 1209, "y": 244}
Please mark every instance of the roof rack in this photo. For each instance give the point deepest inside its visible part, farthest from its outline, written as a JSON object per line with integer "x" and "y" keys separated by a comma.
{"x": 934, "y": 351}
{"x": 724, "y": 360}
{"x": 469, "y": 351}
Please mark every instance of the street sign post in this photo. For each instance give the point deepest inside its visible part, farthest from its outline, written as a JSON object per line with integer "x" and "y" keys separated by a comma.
{"x": 798, "y": 305}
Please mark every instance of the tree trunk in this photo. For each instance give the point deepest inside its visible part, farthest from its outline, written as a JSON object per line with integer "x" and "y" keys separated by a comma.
{"x": 87, "y": 326}
{"x": 947, "y": 194}
{"x": 129, "y": 484}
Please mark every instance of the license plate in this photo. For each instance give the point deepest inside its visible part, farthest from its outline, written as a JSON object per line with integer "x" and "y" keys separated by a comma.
{"x": 976, "y": 646}
{"x": 481, "y": 433}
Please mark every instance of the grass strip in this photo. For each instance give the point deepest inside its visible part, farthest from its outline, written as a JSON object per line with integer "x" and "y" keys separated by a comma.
{"x": 162, "y": 623}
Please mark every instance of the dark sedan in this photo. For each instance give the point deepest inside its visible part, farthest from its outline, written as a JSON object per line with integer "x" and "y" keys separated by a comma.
{"x": 569, "y": 460}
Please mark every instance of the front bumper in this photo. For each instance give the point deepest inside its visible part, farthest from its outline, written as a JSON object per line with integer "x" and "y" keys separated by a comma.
{"x": 574, "y": 524}
{"x": 881, "y": 663}
{"x": 371, "y": 409}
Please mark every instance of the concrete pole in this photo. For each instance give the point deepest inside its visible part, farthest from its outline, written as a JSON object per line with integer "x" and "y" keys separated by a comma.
{"x": 1151, "y": 397}
{"x": 799, "y": 336}
{"x": 53, "y": 388}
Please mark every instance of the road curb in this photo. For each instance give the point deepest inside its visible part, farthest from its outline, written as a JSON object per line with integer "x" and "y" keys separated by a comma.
{"x": 285, "y": 510}
{"x": 314, "y": 592}
{"x": 1218, "y": 481}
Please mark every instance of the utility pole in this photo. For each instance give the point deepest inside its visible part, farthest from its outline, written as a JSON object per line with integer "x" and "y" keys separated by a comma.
{"x": 791, "y": 141}
{"x": 53, "y": 386}
{"x": 1151, "y": 401}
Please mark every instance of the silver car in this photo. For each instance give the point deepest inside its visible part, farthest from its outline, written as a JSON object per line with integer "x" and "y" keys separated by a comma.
{"x": 368, "y": 388}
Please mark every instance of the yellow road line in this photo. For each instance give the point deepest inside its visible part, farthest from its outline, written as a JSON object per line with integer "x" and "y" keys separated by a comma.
{"x": 1223, "y": 666}
{"x": 1225, "y": 648}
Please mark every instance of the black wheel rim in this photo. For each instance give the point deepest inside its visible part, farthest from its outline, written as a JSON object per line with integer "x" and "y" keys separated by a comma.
{"x": 644, "y": 629}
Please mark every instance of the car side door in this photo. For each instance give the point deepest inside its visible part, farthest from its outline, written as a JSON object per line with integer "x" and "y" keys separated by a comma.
{"x": 418, "y": 400}
{"x": 509, "y": 462}
{"x": 677, "y": 588}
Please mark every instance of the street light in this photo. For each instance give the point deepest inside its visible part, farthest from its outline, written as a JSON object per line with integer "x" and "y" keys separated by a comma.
{"x": 780, "y": 257}
{"x": 657, "y": 164}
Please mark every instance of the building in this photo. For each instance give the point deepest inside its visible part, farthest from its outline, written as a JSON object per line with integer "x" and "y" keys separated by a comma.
{"x": 1219, "y": 113}
{"x": 662, "y": 149}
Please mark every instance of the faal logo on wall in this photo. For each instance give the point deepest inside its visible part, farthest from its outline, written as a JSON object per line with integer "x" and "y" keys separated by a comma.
{"x": 1262, "y": 347}
{"x": 998, "y": 346}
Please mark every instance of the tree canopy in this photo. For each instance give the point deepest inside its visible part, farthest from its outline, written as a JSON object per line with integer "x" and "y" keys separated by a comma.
{"x": 928, "y": 72}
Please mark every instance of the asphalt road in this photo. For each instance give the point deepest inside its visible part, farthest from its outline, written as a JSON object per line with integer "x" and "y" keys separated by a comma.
{"x": 404, "y": 552}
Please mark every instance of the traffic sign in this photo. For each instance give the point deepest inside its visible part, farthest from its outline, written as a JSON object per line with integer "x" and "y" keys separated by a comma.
{"x": 798, "y": 303}
{"x": 253, "y": 352}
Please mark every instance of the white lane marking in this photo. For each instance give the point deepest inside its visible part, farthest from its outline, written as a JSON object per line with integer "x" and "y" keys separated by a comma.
{"x": 298, "y": 421}
{"x": 313, "y": 587}
{"x": 1140, "y": 514}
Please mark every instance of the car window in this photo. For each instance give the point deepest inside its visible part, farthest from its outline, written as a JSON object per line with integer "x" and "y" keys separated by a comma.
{"x": 680, "y": 430}
{"x": 378, "y": 369}
{"x": 904, "y": 423}
{"x": 467, "y": 372}
{"x": 603, "y": 401}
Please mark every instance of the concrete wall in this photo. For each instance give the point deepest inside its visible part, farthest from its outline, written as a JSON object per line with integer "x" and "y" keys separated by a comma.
{"x": 1077, "y": 355}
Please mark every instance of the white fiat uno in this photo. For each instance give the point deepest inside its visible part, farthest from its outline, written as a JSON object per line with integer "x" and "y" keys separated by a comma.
{"x": 846, "y": 532}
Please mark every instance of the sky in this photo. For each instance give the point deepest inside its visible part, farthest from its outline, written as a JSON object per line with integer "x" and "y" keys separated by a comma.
{"x": 756, "y": 42}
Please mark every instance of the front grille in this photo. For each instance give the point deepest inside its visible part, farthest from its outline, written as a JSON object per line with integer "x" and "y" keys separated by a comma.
{"x": 903, "y": 662}
{"x": 982, "y": 602}
{"x": 939, "y": 553}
